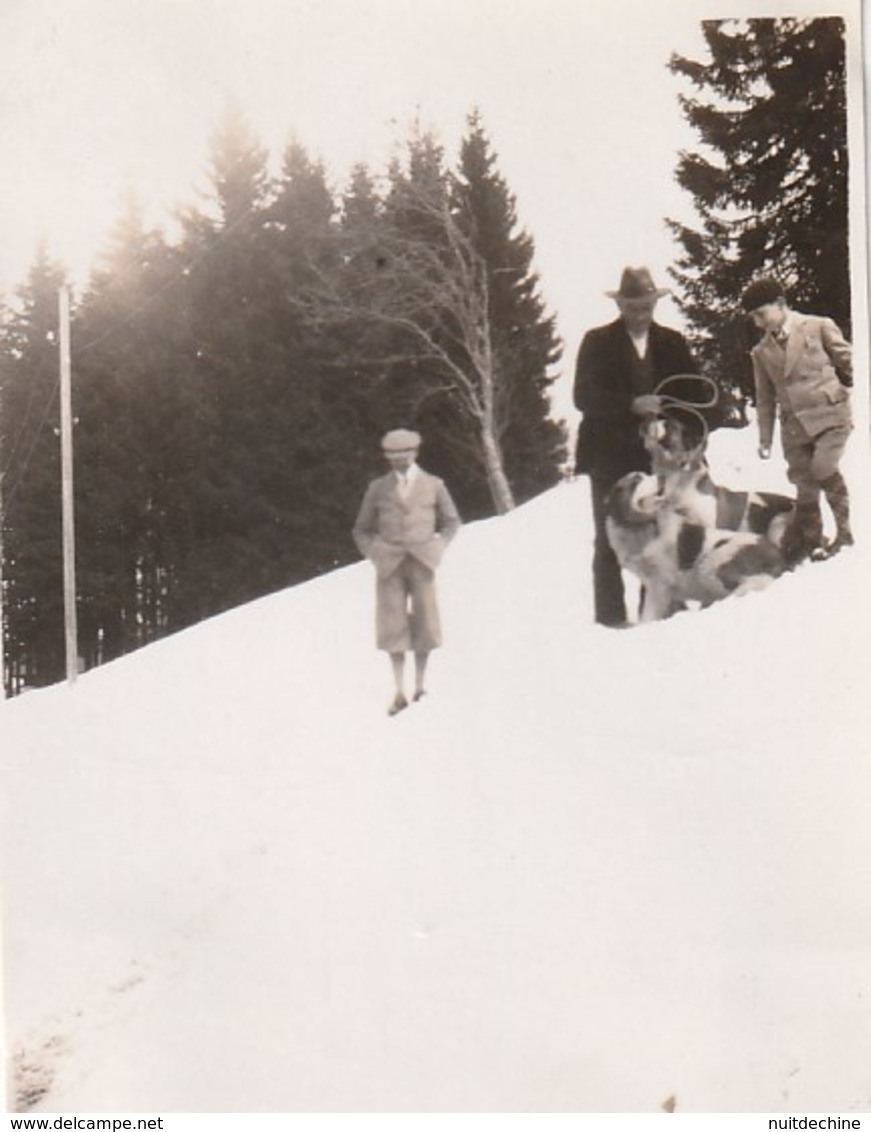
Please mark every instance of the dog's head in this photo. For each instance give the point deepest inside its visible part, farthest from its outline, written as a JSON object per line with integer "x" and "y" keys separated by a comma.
{"x": 675, "y": 441}
{"x": 635, "y": 498}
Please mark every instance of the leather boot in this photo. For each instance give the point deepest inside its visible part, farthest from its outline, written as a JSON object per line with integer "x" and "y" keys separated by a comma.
{"x": 839, "y": 501}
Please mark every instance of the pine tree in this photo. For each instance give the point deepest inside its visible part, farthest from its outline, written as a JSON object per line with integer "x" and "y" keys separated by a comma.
{"x": 525, "y": 342}
{"x": 227, "y": 298}
{"x": 770, "y": 183}
{"x": 138, "y": 441}
{"x": 411, "y": 287}
{"x": 418, "y": 219}
{"x": 31, "y": 480}
{"x": 367, "y": 413}
{"x": 360, "y": 202}
{"x": 307, "y": 478}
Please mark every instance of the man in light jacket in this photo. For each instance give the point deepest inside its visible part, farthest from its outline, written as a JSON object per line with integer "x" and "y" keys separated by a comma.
{"x": 803, "y": 365}
{"x": 406, "y": 520}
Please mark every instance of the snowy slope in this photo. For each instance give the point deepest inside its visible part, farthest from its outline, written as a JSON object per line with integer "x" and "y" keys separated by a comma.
{"x": 590, "y": 871}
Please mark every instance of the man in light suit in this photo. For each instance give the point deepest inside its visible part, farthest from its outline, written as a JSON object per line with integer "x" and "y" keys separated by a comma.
{"x": 803, "y": 364}
{"x": 406, "y": 520}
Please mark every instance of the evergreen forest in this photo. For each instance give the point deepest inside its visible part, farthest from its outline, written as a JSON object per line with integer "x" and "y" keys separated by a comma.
{"x": 230, "y": 387}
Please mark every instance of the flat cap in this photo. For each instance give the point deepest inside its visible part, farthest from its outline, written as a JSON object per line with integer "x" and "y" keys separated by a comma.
{"x": 760, "y": 293}
{"x": 400, "y": 440}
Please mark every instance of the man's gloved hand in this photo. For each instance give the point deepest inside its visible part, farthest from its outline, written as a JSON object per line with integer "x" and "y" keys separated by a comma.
{"x": 764, "y": 451}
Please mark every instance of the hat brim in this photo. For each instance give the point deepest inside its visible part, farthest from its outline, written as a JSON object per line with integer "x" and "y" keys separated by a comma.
{"x": 656, "y": 293}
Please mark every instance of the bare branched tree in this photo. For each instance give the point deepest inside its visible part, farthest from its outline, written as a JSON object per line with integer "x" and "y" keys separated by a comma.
{"x": 418, "y": 296}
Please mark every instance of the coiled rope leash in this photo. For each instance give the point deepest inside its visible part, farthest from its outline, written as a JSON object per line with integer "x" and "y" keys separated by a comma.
{"x": 700, "y": 378}
{"x": 690, "y": 407}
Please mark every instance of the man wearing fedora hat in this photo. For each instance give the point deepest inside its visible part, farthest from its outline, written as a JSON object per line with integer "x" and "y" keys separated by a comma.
{"x": 618, "y": 369}
{"x": 406, "y": 520}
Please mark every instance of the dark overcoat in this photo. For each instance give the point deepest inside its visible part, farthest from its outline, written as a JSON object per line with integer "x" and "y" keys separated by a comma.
{"x": 606, "y": 382}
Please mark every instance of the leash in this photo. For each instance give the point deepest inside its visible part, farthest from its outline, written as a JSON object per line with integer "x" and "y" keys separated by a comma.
{"x": 691, "y": 408}
{"x": 701, "y": 379}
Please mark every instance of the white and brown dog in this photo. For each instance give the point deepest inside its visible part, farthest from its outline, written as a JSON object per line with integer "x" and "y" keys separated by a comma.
{"x": 685, "y": 482}
{"x": 687, "y": 539}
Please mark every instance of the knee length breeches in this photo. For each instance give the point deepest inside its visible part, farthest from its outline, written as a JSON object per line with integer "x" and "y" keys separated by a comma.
{"x": 810, "y": 460}
{"x": 407, "y": 616}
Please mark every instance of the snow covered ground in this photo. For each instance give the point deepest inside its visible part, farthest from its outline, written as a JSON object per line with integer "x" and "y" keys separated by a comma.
{"x": 591, "y": 871}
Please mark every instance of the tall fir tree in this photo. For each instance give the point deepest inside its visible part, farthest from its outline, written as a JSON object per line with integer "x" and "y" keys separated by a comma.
{"x": 416, "y": 205}
{"x": 366, "y": 414}
{"x": 138, "y": 442}
{"x": 430, "y": 288}
{"x": 770, "y": 182}
{"x": 308, "y": 474}
{"x": 227, "y": 296}
{"x": 434, "y": 297}
{"x": 525, "y": 341}
{"x": 31, "y": 480}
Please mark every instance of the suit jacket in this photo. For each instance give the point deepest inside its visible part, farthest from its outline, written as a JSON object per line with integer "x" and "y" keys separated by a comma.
{"x": 389, "y": 527}
{"x": 808, "y": 380}
{"x": 609, "y": 439}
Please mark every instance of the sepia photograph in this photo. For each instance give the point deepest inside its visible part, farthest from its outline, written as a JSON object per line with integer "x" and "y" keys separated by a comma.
{"x": 435, "y": 532}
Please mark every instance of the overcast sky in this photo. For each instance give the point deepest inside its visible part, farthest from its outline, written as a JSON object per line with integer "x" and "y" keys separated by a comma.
{"x": 575, "y": 94}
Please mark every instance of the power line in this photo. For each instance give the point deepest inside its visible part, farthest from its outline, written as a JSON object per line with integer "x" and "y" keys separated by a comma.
{"x": 21, "y": 428}
{"x": 220, "y": 235}
{"x": 22, "y": 471}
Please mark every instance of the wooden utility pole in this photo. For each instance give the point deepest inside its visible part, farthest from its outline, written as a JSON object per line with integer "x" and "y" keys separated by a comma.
{"x": 66, "y": 449}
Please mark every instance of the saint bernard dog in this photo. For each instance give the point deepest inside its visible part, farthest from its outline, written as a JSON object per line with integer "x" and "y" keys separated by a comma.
{"x": 687, "y": 539}
{"x": 685, "y": 481}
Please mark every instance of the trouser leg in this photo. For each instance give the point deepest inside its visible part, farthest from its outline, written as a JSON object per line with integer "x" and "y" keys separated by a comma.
{"x": 805, "y": 531}
{"x": 812, "y": 465}
{"x": 608, "y": 593}
{"x": 393, "y": 629}
{"x": 424, "y": 621}
{"x": 828, "y": 450}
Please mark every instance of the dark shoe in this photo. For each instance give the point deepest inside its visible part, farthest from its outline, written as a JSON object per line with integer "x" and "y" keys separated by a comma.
{"x": 399, "y": 704}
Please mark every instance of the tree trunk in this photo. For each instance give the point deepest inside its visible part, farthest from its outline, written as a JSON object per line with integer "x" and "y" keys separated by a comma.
{"x": 500, "y": 488}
